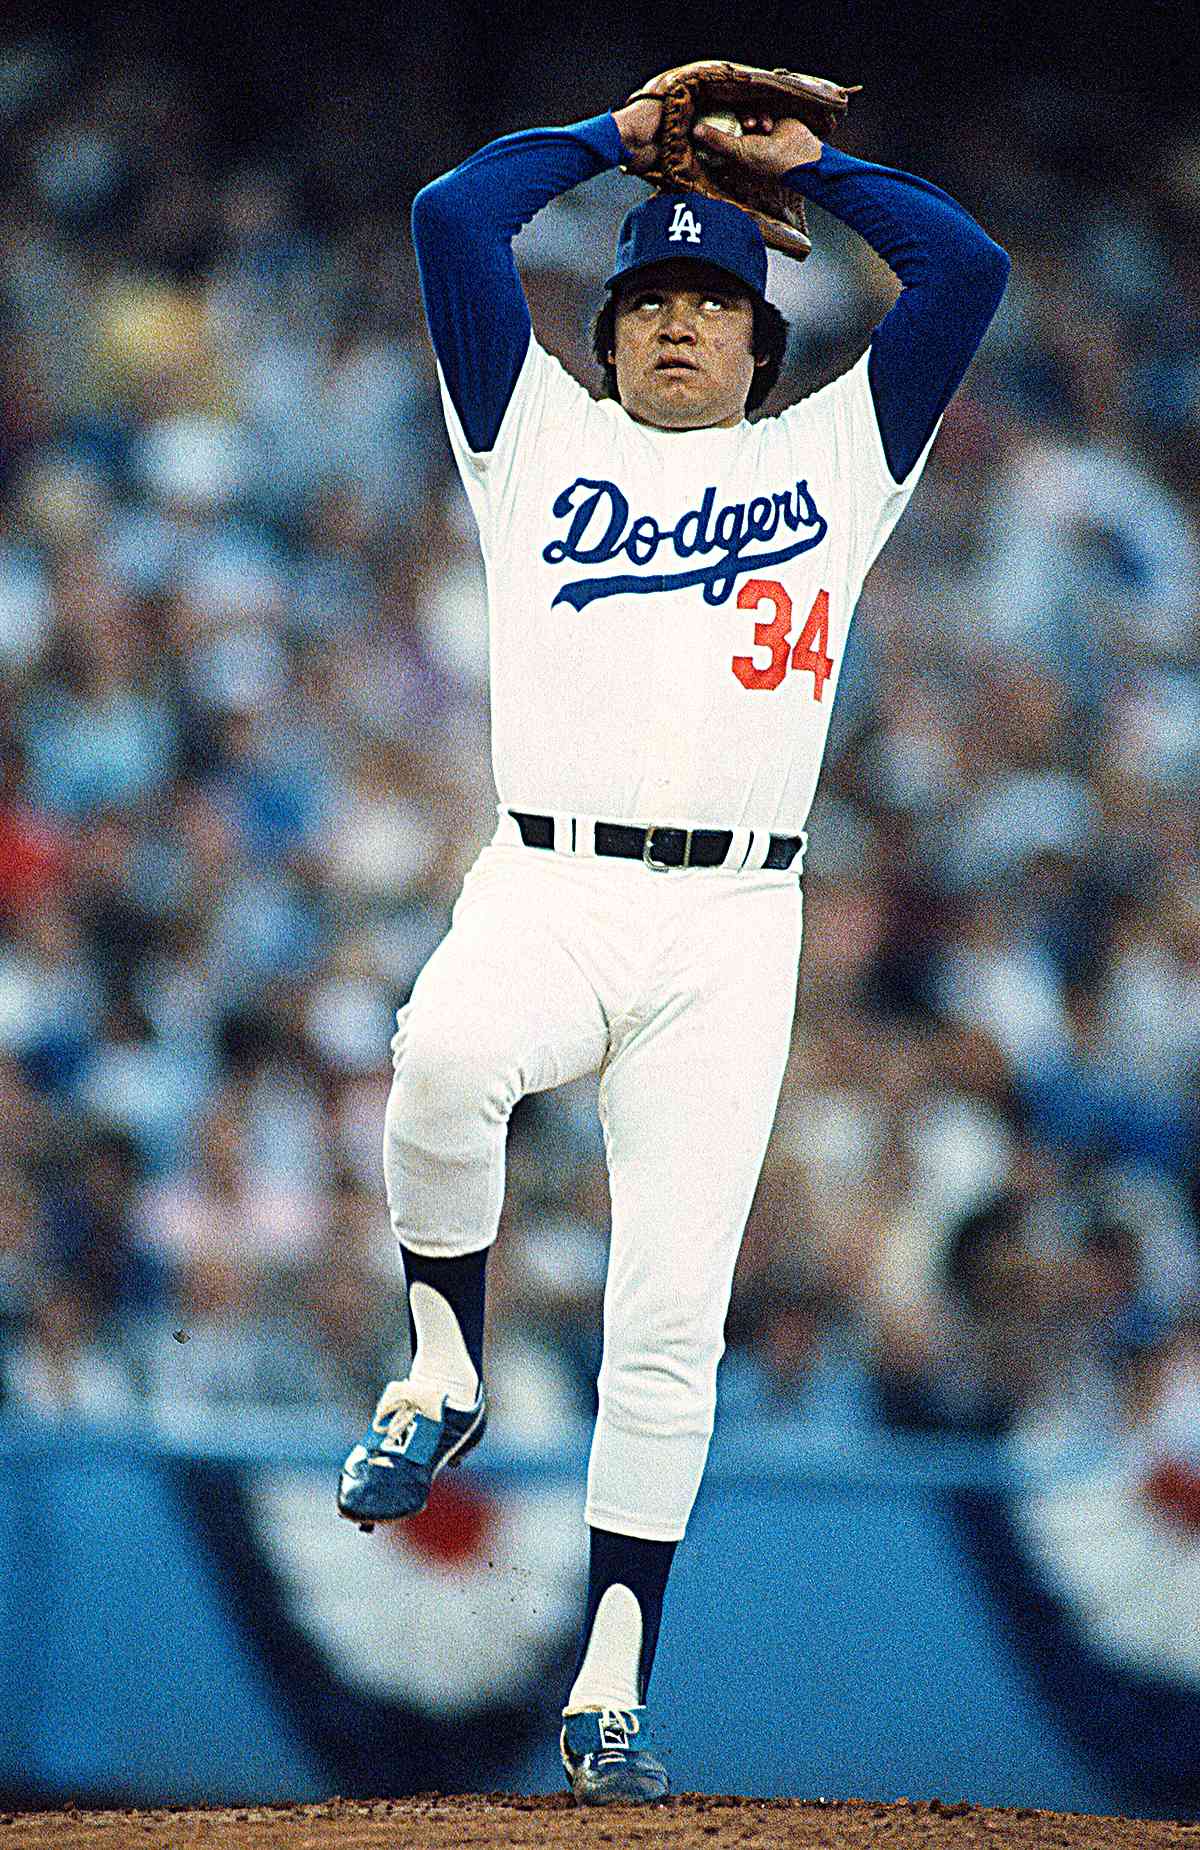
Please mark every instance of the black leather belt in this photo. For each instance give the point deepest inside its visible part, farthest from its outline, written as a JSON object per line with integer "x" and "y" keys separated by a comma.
{"x": 659, "y": 847}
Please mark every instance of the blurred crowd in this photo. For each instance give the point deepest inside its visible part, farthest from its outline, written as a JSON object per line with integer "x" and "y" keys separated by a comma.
{"x": 243, "y": 769}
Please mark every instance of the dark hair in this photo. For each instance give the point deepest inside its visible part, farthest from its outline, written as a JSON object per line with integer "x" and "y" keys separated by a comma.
{"x": 768, "y": 342}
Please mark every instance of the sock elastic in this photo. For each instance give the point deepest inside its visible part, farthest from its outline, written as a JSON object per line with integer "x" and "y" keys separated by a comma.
{"x": 627, "y": 1581}
{"x": 445, "y": 1318}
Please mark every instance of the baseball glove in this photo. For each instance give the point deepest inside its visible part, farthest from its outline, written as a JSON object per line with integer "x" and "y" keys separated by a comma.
{"x": 709, "y": 88}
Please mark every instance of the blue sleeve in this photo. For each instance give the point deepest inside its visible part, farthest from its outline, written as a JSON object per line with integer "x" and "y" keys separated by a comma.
{"x": 953, "y": 277}
{"x": 463, "y": 228}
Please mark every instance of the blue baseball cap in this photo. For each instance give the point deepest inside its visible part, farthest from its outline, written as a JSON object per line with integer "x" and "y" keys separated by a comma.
{"x": 671, "y": 225}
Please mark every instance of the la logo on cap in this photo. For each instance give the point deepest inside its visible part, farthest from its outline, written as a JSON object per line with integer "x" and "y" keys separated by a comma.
{"x": 684, "y": 224}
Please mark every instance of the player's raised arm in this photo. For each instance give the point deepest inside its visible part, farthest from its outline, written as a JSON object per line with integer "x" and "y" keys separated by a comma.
{"x": 953, "y": 274}
{"x": 463, "y": 228}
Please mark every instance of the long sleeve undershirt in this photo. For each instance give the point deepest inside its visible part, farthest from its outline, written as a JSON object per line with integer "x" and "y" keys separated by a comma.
{"x": 952, "y": 277}
{"x": 951, "y": 272}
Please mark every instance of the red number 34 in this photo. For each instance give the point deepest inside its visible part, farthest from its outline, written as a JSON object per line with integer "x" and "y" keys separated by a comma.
{"x": 811, "y": 651}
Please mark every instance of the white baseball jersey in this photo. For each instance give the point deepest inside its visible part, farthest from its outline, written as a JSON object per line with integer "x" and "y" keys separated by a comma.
{"x": 669, "y": 609}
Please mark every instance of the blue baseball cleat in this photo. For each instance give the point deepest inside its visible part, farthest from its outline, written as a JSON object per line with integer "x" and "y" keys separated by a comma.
{"x": 602, "y": 1765}
{"x": 412, "y": 1436}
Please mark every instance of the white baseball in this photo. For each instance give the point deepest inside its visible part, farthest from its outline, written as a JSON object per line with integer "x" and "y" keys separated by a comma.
{"x": 729, "y": 125}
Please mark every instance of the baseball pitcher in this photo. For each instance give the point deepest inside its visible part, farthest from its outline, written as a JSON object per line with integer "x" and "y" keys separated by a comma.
{"x": 670, "y": 589}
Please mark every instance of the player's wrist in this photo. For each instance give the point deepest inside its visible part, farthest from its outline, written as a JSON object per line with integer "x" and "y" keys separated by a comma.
{"x": 831, "y": 164}
{"x": 637, "y": 125}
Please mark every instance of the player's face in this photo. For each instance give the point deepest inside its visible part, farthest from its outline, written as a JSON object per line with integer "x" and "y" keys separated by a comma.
{"x": 683, "y": 347}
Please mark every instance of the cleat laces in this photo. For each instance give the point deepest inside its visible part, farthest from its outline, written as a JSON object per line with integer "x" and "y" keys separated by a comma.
{"x": 396, "y": 1414}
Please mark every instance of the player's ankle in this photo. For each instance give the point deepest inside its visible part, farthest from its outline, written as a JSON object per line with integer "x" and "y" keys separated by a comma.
{"x": 460, "y": 1392}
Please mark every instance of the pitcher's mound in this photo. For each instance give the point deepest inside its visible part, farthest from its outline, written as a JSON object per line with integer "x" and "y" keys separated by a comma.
{"x": 431, "y": 1822}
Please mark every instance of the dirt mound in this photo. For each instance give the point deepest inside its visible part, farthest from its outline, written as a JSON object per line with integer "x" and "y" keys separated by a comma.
{"x": 429, "y": 1822}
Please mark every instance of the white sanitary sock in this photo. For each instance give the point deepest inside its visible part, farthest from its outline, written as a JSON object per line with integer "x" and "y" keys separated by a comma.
{"x": 442, "y": 1363}
{"x": 608, "y": 1675}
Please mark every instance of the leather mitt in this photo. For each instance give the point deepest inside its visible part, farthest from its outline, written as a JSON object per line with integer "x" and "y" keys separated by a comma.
{"x": 711, "y": 88}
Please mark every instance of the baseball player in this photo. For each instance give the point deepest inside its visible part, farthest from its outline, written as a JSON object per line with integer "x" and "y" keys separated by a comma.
{"x": 670, "y": 589}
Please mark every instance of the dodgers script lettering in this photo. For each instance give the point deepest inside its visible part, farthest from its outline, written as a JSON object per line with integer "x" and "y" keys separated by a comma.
{"x": 600, "y": 530}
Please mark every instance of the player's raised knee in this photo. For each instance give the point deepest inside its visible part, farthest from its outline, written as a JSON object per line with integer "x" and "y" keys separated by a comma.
{"x": 452, "y": 1069}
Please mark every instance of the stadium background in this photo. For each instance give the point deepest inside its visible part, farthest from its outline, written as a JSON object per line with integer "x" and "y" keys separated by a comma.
{"x": 956, "y": 1482}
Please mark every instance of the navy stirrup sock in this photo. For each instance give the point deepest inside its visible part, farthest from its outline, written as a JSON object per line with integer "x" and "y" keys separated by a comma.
{"x": 461, "y": 1282}
{"x": 643, "y": 1567}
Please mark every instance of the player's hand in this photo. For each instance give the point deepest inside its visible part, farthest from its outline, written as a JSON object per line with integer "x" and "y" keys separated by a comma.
{"x": 638, "y": 124}
{"x": 768, "y": 144}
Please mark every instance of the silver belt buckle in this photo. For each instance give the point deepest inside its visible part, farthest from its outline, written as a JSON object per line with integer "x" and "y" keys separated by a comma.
{"x": 665, "y": 867}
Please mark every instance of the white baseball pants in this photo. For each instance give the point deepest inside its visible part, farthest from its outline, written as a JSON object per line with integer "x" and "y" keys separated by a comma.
{"x": 679, "y": 988}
